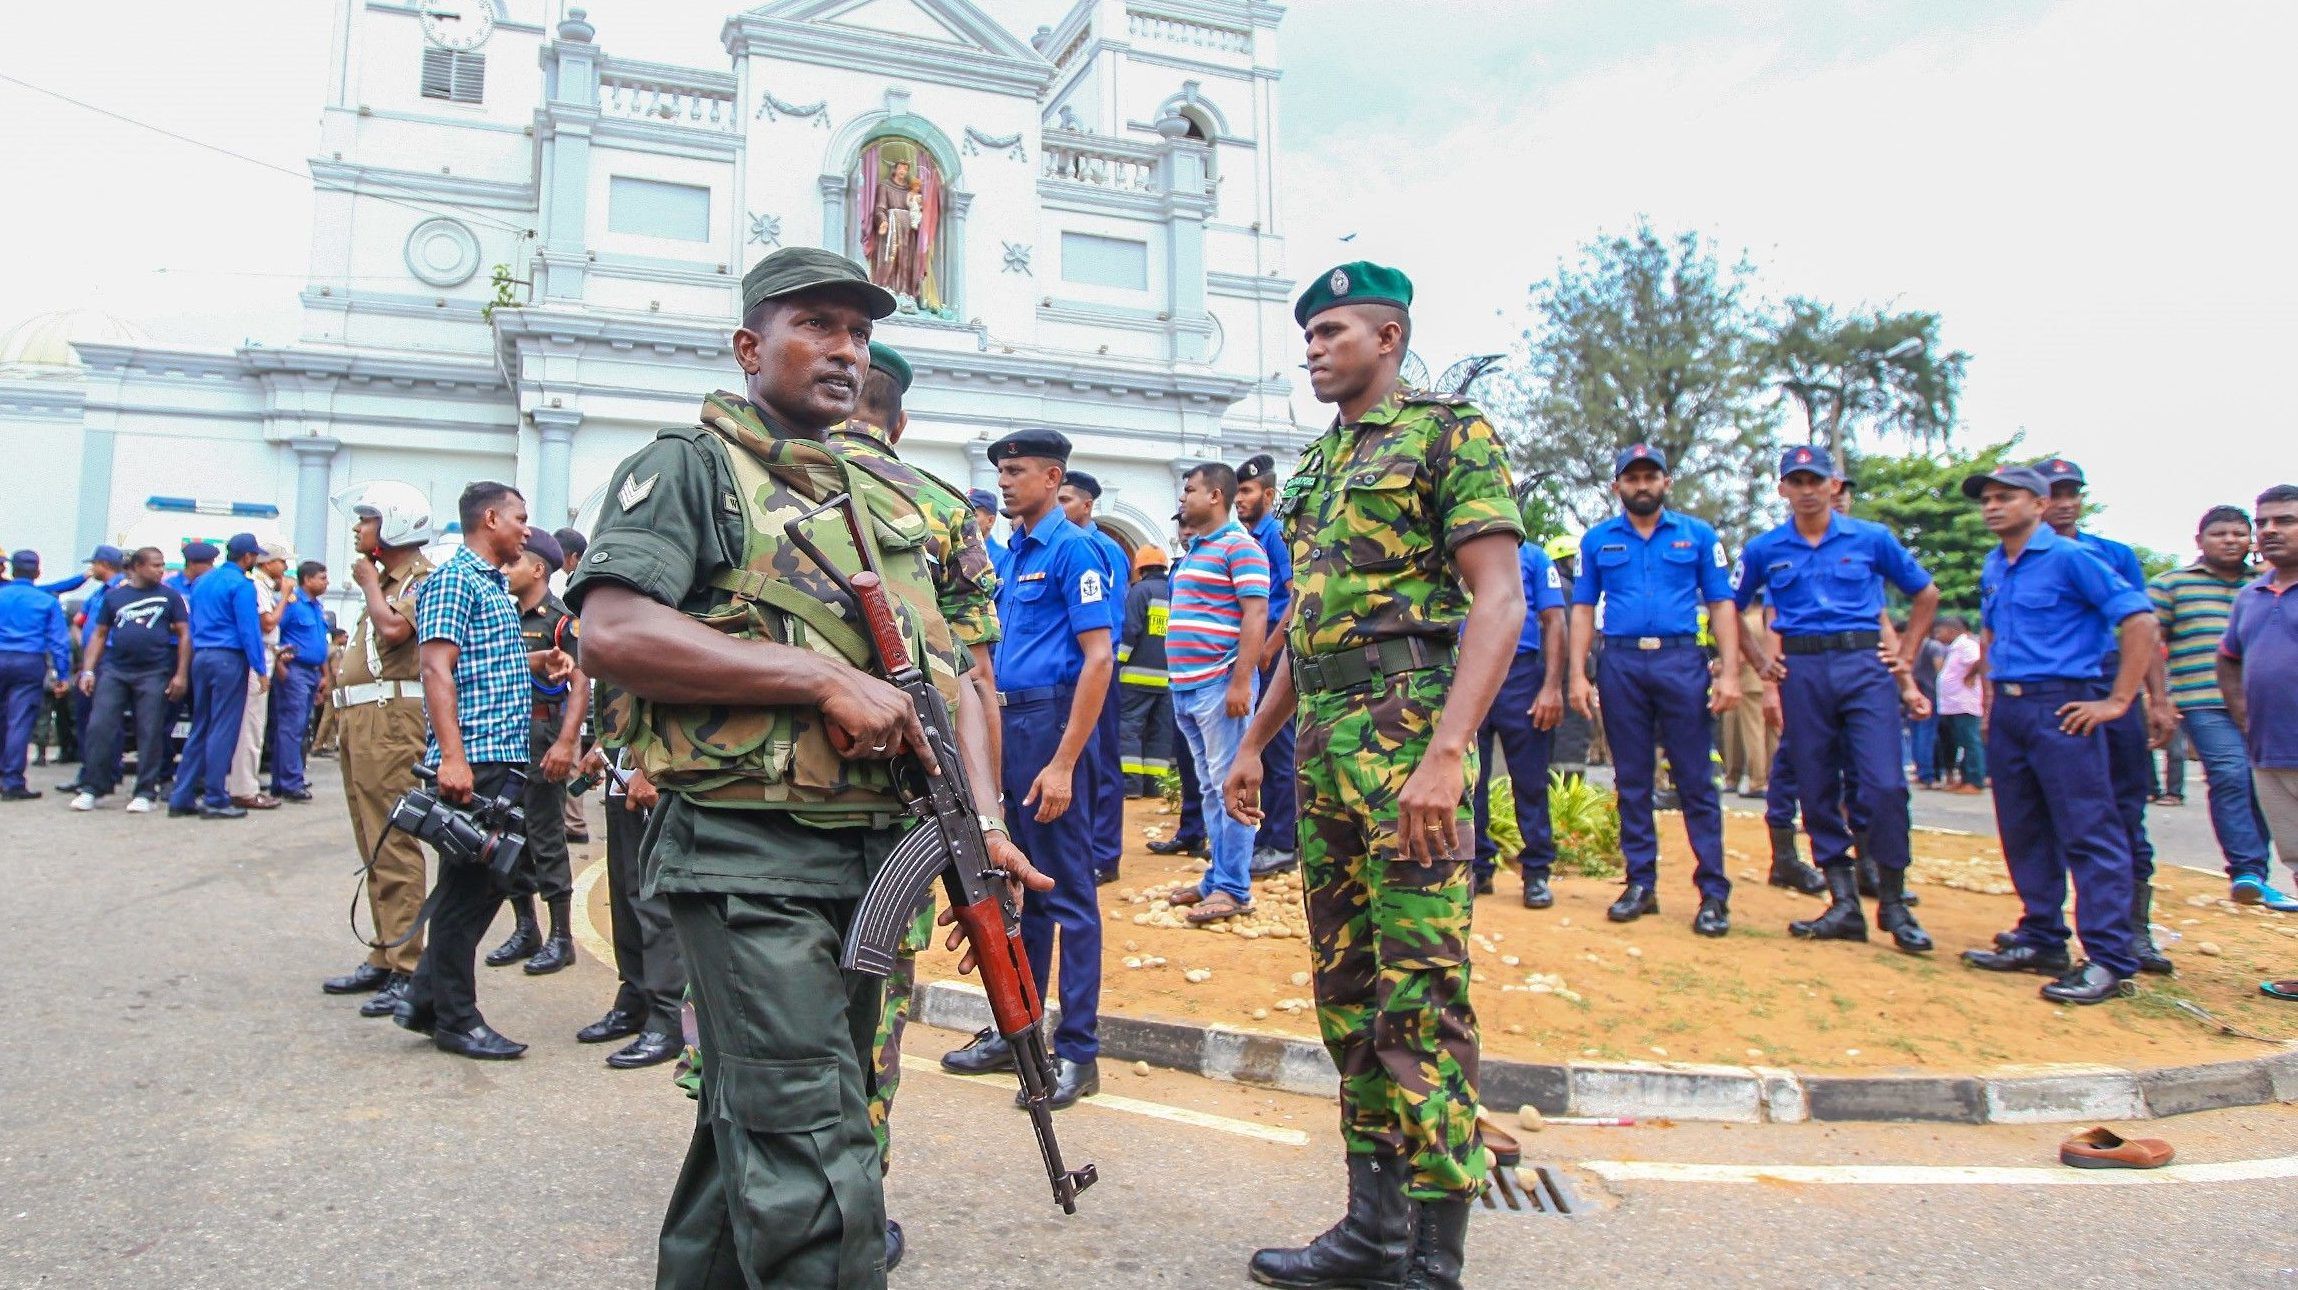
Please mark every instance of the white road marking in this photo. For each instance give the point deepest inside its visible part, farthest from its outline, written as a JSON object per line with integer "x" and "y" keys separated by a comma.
{"x": 1134, "y": 1106}
{"x": 586, "y": 934}
{"x": 1942, "y": 1175}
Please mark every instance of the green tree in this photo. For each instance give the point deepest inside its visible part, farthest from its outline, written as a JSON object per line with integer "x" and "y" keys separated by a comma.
{"x": 1643, "y": 339}
{"x": 1920, "y": 498}
{"x": 1866, "y": 375}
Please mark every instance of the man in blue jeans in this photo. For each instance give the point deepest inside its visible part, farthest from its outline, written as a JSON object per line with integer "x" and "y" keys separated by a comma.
{"x": 227, "y": 643}
{"x": 1213, "y": 637}
{"x": 138, "y": 664}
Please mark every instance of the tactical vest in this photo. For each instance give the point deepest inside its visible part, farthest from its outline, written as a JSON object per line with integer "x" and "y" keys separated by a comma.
{"x": 781, "y": 758}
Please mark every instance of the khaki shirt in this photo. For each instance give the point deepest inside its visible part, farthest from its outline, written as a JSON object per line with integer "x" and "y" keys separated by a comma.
{"x": 363, "y": 658}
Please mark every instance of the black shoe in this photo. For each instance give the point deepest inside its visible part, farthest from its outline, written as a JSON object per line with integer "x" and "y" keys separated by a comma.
{"x": 19, "y": 795}
{"x": 2020, "y": 957}
{"x": 894, "y": 1245}
{"x": 364, "y": 979}
{"x": 1439, "y": 1244}
{"x": 556, "y": 955}
{"x": 179, "y": 812}
{"x": 1071, "y": 1081}
{"x": 386, "y": 1000}
{"x": 293, "y": 795}
{"x": 228, "y": 811}
{"x": 2088, "y": 982}
{"x": 988, "y": 1052}
{"x": 1787, "y": 867}
{"x": 480, "y": 1043}
{"x": 1536, "y": 893}
{"x": 1634, "y": 902}
{"x": 1714, "y": 918}
{"x": 408, "y": 1015}
{"x": 650, "y": 1049}
{"x": 2005, "y": 940}
{"x": 1371, "y": 1246}
{"x": 524, "y": 941}
{"x": 1176, "y": 847}
{"x": 1843, "y": 919}
{"x": 1483, "y": 884}
{"x": 579, "y": 837}
{"x": 1892, "y": 915}
{"x": 1863, "y": 864}
{"x": 1103, "y": 877}
{"x": 2151, "y": 959}
{"x": 614, "y": 1025}
{"x": 1268, "y": 862}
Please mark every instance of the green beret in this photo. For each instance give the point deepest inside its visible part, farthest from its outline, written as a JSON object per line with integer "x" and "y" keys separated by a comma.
{"x": 1361, "y": 283}
{"x": 887, "y": 360}
{"x": 803, "y": 268}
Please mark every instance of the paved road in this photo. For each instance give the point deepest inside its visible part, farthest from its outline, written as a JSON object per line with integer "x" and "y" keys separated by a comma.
{"x": 180, "y": 1107}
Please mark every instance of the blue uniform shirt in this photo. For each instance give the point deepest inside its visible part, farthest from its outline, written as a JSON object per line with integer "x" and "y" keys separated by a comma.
{"x": 1280, "y": 553}
{"x": 303, "y": 624}
{"x": 2054, "y": 611}
{"x": 998, "y": 553}
{"x": 1652, "y": 586}
{"x": 1116, "y": 577}
{"x": 31, "y": 622}
{"x": 95, "y": 602}
{"x": 224, "y": 615}
{"x": 1836, "y": 586}
{"x": 177, "y": 580}
{"x": 1051, "y": 590}
{"x": 1543, "y": 589}
{"x": 2120, "y": 558}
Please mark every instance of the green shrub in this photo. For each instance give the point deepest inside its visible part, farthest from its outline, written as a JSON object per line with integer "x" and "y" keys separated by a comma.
{"x": 1587, "y": 823}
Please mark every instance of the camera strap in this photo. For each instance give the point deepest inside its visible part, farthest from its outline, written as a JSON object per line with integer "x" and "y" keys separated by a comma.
{"x": 366, "y": 873}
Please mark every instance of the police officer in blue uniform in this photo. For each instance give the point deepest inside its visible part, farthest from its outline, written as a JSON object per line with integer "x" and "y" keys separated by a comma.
{"x": 33, "y": 639}
{"x": 2132, "y": 737}
{"x": 984, "y": 503}
{"x": 1523, "y": 720}
{"x": 1651, "y": 569}
{"x": 227, "y": 643}
{"x": 1256, "y": 510}
{"x": 1054, "y": 668}
{"x": 1824, "y": 574}
{"x": 2050, "y": 609}
{"x": 1106, "y": 753}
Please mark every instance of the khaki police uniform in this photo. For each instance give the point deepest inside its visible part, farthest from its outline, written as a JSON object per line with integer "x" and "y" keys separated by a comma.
{"x": 378, "y": 704}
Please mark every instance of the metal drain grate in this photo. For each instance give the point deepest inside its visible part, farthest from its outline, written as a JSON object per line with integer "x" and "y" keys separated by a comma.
{"x": 1529, "y": 1191}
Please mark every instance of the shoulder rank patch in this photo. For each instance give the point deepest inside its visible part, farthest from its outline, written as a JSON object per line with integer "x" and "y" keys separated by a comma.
{"x": 634, "y": 491}
{"x": 1089, "y": 587}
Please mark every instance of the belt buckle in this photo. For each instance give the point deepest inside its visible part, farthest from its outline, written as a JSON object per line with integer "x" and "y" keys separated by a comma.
{"x": 2013, "y": 688}
{"x": 1647, "y": 642}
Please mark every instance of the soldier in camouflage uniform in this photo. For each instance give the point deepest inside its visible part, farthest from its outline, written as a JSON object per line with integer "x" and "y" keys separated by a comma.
{"x": 749, "y": 708}
{"x": 1407, "y": 606}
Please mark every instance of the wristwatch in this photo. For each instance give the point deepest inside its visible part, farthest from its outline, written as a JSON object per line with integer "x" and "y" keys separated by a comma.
{"x": 992, "y": 824}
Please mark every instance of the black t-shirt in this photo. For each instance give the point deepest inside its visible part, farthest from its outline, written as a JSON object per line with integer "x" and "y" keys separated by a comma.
{"x": 137, "y": 625}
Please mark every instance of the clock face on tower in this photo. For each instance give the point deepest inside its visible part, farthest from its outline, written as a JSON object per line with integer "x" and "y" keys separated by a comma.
{"x": 460, "y": 25}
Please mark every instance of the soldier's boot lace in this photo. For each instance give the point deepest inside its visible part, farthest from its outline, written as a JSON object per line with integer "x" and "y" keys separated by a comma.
{"x": 1371, "y": 1246}
{"x": 1842, "y": 920}
{"x": 1439, "y": 1244}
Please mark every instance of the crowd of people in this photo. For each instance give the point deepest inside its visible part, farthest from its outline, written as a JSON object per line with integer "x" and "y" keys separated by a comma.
{"x": 1334, "y": 664}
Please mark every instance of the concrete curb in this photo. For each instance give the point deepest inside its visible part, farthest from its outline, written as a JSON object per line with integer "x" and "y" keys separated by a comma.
{"x": 1683, "y": 1091}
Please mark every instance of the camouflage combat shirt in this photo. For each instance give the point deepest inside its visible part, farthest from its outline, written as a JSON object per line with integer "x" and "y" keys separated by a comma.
{"x": 965, "y": 584}
{"x": 1375, "y": 510}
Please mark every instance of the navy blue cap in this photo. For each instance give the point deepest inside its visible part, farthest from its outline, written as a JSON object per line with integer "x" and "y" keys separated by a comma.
{"x": 2059, "y": 469}
{"x": 1634, "y": 453}
{"x": 1258, "y": 466}
{"x": 1049, "y": 444}
{"x": 1807, "y": 460}
{"x": 242, "y": 544}
{"x": 200, "y": 553}
{"x": 1083, "y": 483}
{"x": 25, "y": 559}
{"x": 542, "y": 543}
{"x": 981, "y": 499}
{"x": 110, "y": 555}
{"x": 2026, "y": 477}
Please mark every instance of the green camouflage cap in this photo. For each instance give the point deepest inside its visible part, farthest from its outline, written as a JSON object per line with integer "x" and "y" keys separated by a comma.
{"x": 885, "y": 358}
{"x": 802, "y": 268}
{"x": 1359, "y": 283}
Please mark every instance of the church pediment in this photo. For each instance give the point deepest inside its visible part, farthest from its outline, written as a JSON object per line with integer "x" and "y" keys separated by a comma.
{"x": 949, "y": 40}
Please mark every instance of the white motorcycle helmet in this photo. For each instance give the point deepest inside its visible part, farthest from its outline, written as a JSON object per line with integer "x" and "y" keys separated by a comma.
{"x": 404, "y": 514}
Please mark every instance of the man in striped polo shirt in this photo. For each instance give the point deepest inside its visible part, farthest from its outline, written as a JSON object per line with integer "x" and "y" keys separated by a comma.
{"x": 2192, "y": 605}
{"x": 1213, "y": 639}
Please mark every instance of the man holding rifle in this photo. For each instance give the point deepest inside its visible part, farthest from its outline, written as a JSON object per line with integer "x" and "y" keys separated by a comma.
{"x": 773, "y": 749}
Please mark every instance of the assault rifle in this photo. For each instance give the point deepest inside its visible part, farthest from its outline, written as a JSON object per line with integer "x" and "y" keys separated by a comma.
{"x": 948, "y": 843}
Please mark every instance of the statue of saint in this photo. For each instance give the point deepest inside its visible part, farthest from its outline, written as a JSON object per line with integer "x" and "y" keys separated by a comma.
{"x": 901, "y": 213}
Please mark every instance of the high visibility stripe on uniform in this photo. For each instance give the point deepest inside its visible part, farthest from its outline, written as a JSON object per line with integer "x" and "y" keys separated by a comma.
{"x": 1145, "y": 676}
{"x": 1146, "y": 765}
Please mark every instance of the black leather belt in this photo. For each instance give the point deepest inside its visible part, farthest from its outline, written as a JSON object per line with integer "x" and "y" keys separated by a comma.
{"x": 1034, "y": 694}
{"x": 1831, "y": 643}
{"x": 1650, "y": 642}
{"x": 1351, "y": 669}
{"x": 2047, "y": 689}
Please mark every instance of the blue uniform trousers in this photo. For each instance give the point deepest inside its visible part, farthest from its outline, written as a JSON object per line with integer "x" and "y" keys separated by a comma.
{"x": 1780, "y": 793}
{"x": 23, "y": 683}
{"x": 1843, "y": 724}
{"x": 219, "y": 700}
{"x": 1280, "y": 797}
{"x": 1509, "y": 723}
{"x": 1063, "y": 850}
{"x": 1101, "y": 785}
{"x": 1659, "y": 699}
{"x": 2130, "y": 764}
{"x": 2055, "y": 809}
{"x": 292, "y": 688}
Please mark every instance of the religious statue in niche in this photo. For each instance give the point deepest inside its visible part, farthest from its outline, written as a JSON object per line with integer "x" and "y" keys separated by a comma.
{"x": 900, "y": 211}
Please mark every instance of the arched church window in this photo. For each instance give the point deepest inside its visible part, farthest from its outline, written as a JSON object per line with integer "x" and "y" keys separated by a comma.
{"x": 900, "y": 213}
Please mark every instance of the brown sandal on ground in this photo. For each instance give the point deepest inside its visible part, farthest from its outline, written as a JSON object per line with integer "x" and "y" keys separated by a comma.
{"x": 1214, "y": 908}
{"x": 1185, "y": 896}
{"x": 1506, "y": 1152}
{"x": 2102, "y": 1148}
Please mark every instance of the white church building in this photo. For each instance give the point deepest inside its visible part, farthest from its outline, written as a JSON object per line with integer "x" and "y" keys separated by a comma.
{"x": 527, "y": 254}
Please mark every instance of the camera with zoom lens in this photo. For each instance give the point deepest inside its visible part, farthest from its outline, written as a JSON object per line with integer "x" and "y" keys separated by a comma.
{"x": 491, "y": 831}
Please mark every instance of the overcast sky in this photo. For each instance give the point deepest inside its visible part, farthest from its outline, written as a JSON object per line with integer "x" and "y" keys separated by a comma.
{"x": 2094, "y": 193}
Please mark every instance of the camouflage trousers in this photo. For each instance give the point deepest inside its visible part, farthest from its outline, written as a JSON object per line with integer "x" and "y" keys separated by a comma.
{"x": 886, "y": 1047}
{"x": 1389, "y": 938}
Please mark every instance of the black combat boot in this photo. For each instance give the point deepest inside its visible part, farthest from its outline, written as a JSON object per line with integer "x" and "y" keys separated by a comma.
{"x": 2150, "y": 956}
{"x": 558, "y": 951}
{"x": 1371, "y": 1246}
{"x": 1891, "y": 914}
{"x": 1439, "y": 1244}
{"x": 525, "y": 937}
{"x": 1787, "y": 867}
{"x": 1843, "y": 919}
{"x": 1863, "y": 863}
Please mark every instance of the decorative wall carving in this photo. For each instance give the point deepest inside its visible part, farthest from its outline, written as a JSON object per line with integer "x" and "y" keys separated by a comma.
{"x": 774, "y": 109}
{"x": 1009, "y": 144}
{"x": 1017, "y": 259}
{"x": 766, "y": 230}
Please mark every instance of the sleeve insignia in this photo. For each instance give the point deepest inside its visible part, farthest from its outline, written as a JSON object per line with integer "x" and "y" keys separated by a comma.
{"x": 634, "y": 491}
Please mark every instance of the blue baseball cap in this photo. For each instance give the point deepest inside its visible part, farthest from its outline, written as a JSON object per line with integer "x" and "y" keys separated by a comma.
{"x": 25, "y": 561}
{"x": 110, "y": 555}
{"x": 2059, "y": 470}
{"x": 981, "y": 499}
{"x": 1804, "y": 459}
{"x": 2026, "y": 477}
{"x": 1634, "y": 453}
{"x": 242, "y": 544}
